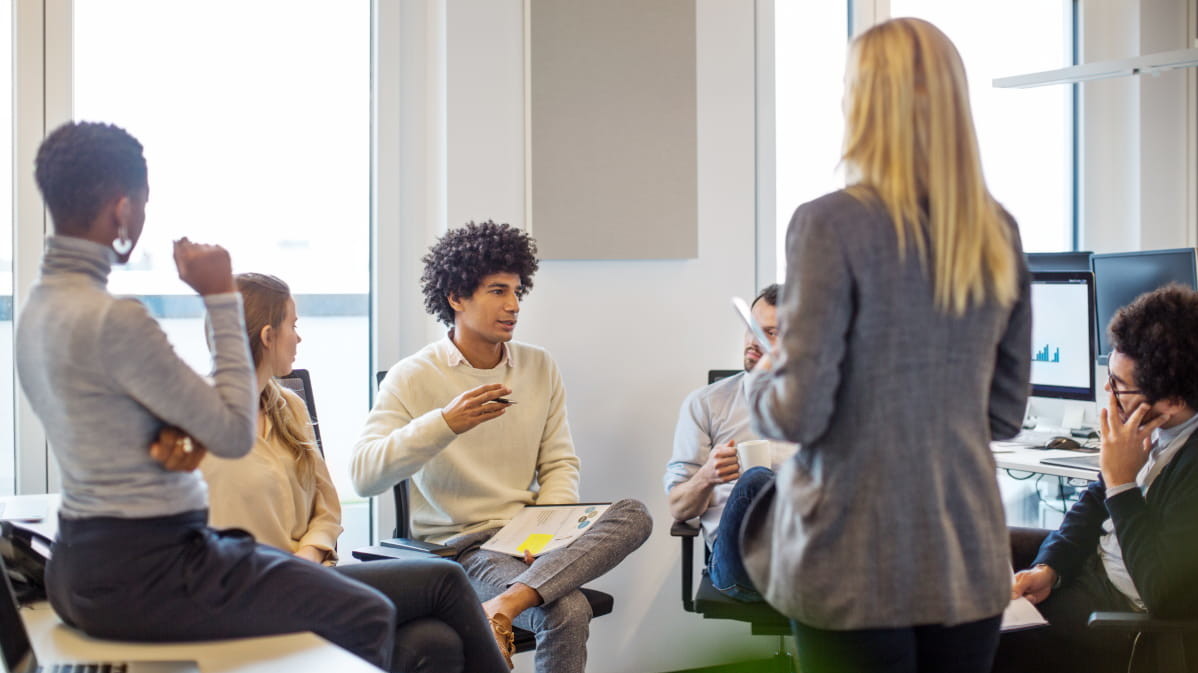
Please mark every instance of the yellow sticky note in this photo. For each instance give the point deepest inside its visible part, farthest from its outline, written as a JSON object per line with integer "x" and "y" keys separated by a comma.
{"x": 535, "y": 543}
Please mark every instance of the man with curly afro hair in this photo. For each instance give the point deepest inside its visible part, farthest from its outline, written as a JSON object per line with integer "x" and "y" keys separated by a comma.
{"x": 477, "y": 423}
{"x": 1131, "y": 541}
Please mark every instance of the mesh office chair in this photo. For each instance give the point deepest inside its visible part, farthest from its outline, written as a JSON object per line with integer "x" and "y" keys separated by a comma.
{"x": 601, "y": 603}
{"x": 300, "y": 383}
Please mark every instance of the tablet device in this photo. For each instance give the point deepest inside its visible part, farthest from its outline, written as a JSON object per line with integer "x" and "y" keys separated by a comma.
{"x": 742, "y": 309}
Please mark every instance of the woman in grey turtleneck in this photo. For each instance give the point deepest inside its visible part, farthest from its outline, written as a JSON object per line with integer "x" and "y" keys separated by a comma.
{"x": 135, "y": 558}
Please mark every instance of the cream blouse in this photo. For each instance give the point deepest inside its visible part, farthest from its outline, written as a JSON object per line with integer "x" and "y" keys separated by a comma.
{"x": 262, "y": 493}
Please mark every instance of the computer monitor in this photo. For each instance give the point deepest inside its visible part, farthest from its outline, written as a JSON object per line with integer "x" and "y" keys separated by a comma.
{"x": 1063, "y": 335}
{"x": 1059, "y": 261}
{"x": 1121, "y": 277}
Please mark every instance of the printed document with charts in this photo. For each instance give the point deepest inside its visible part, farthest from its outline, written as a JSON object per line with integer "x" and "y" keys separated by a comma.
{"x": 543, "y": 528}
{"x": 1021, "y": 614}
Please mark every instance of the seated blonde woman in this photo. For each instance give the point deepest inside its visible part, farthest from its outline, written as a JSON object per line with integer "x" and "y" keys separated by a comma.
{"x": 282, "y": 493}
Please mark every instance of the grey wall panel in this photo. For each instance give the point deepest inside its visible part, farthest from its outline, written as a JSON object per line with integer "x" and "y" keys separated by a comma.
{"x": 612, "y": 129}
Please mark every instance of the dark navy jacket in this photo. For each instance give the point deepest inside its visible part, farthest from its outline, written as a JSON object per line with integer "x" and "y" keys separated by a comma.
{"x": 1158, "y": 535}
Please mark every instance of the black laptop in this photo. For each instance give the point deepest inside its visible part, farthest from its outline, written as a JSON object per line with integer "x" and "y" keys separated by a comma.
{"x": 19, "y": 656}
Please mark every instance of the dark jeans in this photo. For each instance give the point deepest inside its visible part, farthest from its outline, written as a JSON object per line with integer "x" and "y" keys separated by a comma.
{"x": 174, "y": 578}
{"x": 441, "y": 627}
{"x": 965, "y": 648}
{"x": 726, "y": 567}
{"x": 1067, "y": 644}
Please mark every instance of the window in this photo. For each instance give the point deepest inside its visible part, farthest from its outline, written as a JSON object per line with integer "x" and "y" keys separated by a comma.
{"x": 255, "y": 116}
{"x": 8, "y": 461}
{"x": 810, "y": 45}
{"x": 1026, "y": 135}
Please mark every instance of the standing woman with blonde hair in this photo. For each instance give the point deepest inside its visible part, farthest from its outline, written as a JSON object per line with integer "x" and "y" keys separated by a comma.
{"x": 905, "y": 349}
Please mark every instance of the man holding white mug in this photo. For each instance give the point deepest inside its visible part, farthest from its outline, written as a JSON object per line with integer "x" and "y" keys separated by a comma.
{"x": 719, "y": 464}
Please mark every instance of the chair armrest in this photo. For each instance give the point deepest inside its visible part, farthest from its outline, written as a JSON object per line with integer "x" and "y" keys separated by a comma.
{"x": 686, "y": 534}
{"x": 1140, "y": 621}
{"x": 683, "y": 529}
{"x": 419, "y": 545}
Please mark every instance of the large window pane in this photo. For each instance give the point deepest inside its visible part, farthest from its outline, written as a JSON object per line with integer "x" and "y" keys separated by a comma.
{"x": 255, "y": 116}
{"x": 7, "y": 453}
{"x": 810, "y": 43}
{"x": 1026, "y": 135}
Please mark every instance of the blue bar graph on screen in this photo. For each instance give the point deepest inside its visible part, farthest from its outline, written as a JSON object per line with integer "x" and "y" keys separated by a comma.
{"x": 1042, "y": 355}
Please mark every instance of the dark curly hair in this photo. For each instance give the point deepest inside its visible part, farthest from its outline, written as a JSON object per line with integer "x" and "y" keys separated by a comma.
{"x": 1159, "y": 332}
{"x": 457, "y": 263}
{"x": 81, "y": 166}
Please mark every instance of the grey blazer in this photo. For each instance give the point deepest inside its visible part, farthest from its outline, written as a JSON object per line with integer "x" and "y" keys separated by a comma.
{"x": 890, "y": 514}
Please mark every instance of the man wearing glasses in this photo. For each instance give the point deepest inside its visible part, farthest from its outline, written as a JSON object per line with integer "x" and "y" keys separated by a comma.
{"x": 1131, "y": 541}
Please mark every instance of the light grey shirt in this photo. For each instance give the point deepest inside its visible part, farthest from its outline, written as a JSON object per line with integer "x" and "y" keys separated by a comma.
{"x": 1166, "y": 443}
{"x": 889, "y": 515}
{"x": 710, "y": 416}
{"x": 102, "y": 377}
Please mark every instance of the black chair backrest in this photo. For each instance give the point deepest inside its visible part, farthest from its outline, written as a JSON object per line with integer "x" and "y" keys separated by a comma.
{"x": 403, "y": 526}
{"x": 714, "y": 375}
{"x": 300, "y": 383}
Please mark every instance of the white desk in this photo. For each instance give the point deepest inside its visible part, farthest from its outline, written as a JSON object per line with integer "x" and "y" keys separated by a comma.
{"x": 53, "y": 641}
{"x": 1028, "y": 460}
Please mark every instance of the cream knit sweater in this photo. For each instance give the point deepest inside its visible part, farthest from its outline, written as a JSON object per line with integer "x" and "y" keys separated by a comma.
{"x": 481, "y": 478}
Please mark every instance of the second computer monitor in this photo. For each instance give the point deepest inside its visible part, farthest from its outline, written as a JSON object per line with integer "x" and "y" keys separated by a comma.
{"x": 1063, "y": 335}
{"x": 1078, "y": 260}
{"x": 1121, "y": 277}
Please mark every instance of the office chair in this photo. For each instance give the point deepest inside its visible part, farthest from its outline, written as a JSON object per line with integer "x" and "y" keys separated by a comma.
{"x": 709, "y": 603}
{"x": 300, "y": 383}
{"x": 1167, "y": 637}
{"x": 601, "y": 603}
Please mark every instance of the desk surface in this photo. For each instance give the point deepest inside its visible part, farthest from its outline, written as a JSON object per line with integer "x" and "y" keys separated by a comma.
{"x": 53, "y": 641}
{"x": 1023, "y": 459}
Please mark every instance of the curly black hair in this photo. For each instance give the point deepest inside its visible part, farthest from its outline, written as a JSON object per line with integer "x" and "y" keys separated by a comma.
{"x": 457, "y": 263}
{"x": 81, "y": 166}
{"x": 1159, "y": 333}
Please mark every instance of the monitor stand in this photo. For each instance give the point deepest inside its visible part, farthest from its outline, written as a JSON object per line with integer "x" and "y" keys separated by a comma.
{"x": 1062, "y": 417}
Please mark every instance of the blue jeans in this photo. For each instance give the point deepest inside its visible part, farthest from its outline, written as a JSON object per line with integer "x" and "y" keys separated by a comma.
{"x": 726, "y": 567}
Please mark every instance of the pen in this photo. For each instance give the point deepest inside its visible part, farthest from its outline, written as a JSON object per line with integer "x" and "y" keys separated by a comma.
{"x": 503, "y": 400}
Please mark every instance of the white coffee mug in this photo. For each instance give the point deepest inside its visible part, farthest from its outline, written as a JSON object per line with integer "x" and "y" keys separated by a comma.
{"x": 754, "y": 453}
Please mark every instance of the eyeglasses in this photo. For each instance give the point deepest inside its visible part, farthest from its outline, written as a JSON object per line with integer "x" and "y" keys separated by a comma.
{"x": 1117, "y": 393}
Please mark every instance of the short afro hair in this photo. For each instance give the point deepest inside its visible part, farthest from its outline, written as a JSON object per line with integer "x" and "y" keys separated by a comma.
{"x": 1159, "y": 333}
{"x": 81, "y": 166}
{"x": 457, "y": 263}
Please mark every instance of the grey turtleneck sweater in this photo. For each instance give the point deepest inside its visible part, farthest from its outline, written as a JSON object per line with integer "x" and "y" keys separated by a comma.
{"x": 102, "y": 377}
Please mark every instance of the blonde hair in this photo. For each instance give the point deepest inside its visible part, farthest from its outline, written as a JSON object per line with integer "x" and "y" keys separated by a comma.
{"x": 910, "y": 144}
{"x": 265, "y": 298}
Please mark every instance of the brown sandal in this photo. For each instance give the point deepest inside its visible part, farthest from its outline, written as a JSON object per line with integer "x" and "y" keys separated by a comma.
{"x": 501, "y": 627}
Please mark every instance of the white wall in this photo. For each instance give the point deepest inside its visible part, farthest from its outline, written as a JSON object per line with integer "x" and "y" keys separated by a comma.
{"x": 1138, "y": 145}
{"x": 632, "y": 338}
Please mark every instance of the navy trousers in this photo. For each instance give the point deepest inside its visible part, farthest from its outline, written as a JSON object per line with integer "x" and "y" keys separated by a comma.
{"x": 964, "y": 648}
{"x": 174, "y": 578}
